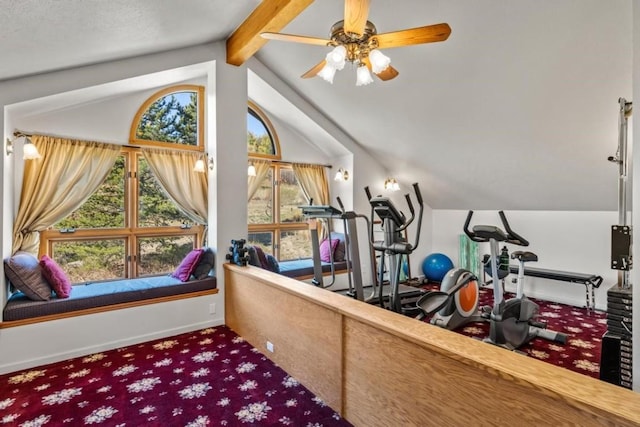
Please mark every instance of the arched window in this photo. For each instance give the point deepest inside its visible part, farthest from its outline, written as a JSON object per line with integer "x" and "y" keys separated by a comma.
{"x": 170, "y": 117}
{"x": 262, "y": 140}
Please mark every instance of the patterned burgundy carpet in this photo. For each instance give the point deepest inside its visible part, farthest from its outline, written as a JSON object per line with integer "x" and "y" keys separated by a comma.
{"x": 584, "y": 332}
{"x": 210, "y": 377}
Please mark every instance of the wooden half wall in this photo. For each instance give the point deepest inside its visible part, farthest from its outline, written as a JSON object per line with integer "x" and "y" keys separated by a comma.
{"x": 378, "y": 368}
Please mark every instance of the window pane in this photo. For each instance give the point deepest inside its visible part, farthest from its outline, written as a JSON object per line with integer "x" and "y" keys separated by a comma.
{"x": 263, "y": 239}
{"x": 156, "y": 209}
{"x": 291, "y": 197}
{"x": 260, "y": 207}
{"x": 295, "y": 245}
{"x": 158, "y": 255}
{"x": 105, "y": 207}
{"x": 258, "y": 137}
{"x": 172, "y": 118}
{"x": 91, "y": 260}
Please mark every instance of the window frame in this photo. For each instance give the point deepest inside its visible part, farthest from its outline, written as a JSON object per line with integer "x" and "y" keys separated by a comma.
{"x": 256, "y": 112}
{"x": 130, "y": 232}
{"x": 276, "y": 227}
{"x": 199, "y": 90}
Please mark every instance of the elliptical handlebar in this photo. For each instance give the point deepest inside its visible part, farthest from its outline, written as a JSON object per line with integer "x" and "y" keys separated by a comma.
{"x": 416, "y": 190}
{"x": 511, "y": 236}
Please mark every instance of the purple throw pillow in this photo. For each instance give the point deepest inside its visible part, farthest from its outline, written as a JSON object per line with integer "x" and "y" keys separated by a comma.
{"x": 325, "y": 255}
{"x": 56, "y": 277}
{"x": 188, "y": 264}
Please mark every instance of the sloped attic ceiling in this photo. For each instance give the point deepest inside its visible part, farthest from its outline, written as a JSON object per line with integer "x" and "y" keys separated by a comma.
{"x": 516, "y": 110}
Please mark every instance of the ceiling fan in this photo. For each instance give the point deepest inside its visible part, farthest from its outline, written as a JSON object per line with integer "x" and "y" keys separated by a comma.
{"x": 355, "y": 39}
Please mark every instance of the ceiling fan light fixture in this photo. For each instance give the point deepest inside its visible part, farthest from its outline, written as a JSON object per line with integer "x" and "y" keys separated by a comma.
{"x": 363, "y": 76}
{"x": 337, "y": 57}
{"x": 379, "y": 61}
{"x": 327, "y": 72}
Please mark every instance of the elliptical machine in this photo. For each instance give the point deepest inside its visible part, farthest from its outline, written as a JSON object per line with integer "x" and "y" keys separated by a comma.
{"x": 512, "y": 321}
{"x": 395, "y": 245}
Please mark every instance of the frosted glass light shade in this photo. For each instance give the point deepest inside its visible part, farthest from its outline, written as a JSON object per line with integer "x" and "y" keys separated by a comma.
{"x": 379, "y": 61}
{"x": 199, "y": 166}
{"x": 337, "y": 57}
{"x": 251, "y": 170}
{"x": 327, "y": 73}
{"x": 363, "y": 77}
{"x": 30, "y": 151}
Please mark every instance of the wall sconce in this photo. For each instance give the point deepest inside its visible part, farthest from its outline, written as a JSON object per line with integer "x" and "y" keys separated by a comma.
{"x": 391, "y": 184}
{"x": 30, "y": 151}
{"x": 341, "y": 175}
{"x": 199, "y": 166}
{"x": 251, "y": 170}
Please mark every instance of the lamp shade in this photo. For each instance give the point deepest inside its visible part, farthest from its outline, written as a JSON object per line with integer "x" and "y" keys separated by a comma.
{"x": 337, "y": 57}
{"x": 379, "y": 61}
{"x": 251, "y": 170}
{"x": 199, "y": 166}
{"x": 363, "y": 76}
{"x": 327, "y": 73}
{"x": 30, "y": 150}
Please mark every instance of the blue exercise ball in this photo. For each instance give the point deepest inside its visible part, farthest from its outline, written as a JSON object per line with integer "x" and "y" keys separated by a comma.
{"x": 436, "y": 266}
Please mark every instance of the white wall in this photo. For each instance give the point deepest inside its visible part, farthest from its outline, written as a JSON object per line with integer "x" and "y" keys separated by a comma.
{"x": 568, "y": 241}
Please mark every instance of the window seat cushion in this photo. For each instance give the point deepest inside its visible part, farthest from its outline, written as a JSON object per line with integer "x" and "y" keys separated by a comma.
{"x": 304, "y": 267}
{"x": 99, "y": 294}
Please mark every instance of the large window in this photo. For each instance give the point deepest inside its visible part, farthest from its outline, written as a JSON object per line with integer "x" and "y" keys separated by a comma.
{"x": 275, "y": 219}
{"x": 130, "y": 227}
{"x": 276, "y": 222}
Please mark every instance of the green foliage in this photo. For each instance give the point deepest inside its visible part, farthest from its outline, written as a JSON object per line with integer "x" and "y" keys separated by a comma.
{"x": 105, "y": 207}
{"x": 260, "y": 145}
{"x": 168, "y": 120}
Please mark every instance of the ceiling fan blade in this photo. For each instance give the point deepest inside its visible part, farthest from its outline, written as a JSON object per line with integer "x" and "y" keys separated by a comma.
{"x": 388, "y": 73}
{"x": 428, "y": 34}
{"x": 355, "y": 16}
{"x": 314, "y": 71}
{"x": 296, "y": 39}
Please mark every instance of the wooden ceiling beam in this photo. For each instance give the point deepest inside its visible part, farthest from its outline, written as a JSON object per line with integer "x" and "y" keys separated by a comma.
{"x": 269, "y": 16}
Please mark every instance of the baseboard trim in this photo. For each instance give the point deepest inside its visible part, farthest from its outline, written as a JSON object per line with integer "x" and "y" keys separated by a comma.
{"x": 83, "y": 351}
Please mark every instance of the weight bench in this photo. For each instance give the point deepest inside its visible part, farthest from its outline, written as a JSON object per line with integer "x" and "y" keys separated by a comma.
{"x": 590, "y": 281}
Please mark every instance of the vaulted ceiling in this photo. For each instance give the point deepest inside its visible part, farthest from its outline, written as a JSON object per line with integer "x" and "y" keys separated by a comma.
{"x": 516, "y": 110}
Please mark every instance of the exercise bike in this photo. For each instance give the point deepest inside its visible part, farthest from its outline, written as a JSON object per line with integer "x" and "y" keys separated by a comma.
{"x": 512, "y": 321}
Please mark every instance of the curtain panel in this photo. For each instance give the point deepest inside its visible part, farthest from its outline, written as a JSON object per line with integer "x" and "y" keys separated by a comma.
{"x": 58, "y": 183}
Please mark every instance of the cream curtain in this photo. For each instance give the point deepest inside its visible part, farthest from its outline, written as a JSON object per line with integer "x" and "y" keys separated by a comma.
{"x": 262, "y": 169}
{"x": 55, "y": 185}
{"x": 175, "y": 174}
{"x": 313, "y": 180}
